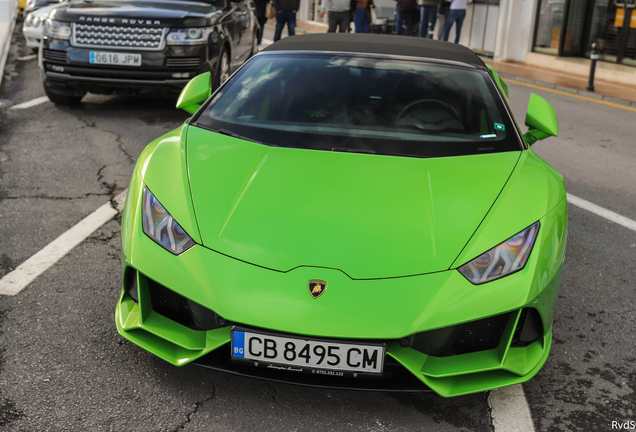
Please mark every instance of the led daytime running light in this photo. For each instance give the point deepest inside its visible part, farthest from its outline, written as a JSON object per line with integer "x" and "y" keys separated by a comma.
{"x": 502, "y": 260}
{"x": 188, "y": 36}
{"x": 161, "y": 227}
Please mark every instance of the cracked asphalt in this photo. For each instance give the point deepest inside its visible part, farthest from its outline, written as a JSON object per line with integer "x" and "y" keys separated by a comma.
{"x": 63, "y": 367}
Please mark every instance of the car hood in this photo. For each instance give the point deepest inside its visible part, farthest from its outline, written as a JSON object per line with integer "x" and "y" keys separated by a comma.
{"x": 44, "y": 12}
{"x": 152, "y": 12}
{"x": 369, "y": 216}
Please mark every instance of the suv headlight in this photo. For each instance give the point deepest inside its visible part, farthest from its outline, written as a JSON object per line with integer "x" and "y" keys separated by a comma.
{"x": 161, "y": 227}
{"x": 188, "y": 36}
{"x": 57, "y": 29}
{"x": 502, "y": 260}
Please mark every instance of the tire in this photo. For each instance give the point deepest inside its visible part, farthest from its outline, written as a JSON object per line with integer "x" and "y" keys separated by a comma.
{"x": 222, "y": 69}
{"x": 61, "y": 99}
{"x": 254, "y": 44}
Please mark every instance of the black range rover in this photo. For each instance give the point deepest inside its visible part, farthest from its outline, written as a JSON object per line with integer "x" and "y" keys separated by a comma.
{"x": 143, "y": 46}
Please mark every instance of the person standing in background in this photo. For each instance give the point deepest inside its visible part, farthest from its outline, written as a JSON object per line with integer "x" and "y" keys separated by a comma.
{"x": 339, "y": 14}
{"x": 261, "y": 17}
{"x": 456, "y": 16}
{"x": 285, "y": 13}
{"x": 361, "y": 16}
{"x": 404, "y": 15}
{"x": 428, "y": 15}
{"x": 442, "y": 13}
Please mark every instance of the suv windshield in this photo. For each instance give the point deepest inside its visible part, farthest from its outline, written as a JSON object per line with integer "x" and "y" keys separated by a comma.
{"x": 364, "y": 104}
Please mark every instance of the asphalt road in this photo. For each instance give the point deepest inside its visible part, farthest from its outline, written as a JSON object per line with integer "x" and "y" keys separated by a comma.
{"x": 63, "y": 367}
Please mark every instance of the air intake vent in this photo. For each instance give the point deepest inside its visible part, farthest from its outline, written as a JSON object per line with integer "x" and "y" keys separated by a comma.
{"x": 183, "y": 62}
{"x": 56, "y": 55}
{"x": 464, "y": 338}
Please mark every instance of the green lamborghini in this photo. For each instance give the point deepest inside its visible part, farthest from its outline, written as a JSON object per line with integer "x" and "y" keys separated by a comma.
{"x": 349, "y": 211}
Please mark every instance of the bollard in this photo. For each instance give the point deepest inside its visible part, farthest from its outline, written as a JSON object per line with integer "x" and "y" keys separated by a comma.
{"x": 594, "y": 57}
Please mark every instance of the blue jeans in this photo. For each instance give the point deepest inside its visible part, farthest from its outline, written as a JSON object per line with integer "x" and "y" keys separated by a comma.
{"x": 455, "y": 16}
{"x": 401, "y": 18}
{"x": 360, "y": 20}
{"x": 428, "y": 15}
{"x": 283, "y": 17}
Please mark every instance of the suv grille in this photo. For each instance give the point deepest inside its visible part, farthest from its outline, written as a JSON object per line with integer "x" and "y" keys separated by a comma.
{"x": 118, "y": 37}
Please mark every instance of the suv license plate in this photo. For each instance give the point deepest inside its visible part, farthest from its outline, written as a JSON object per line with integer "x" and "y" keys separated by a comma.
{"x": 307, "y": 355}
{"x": 110, "y": 58}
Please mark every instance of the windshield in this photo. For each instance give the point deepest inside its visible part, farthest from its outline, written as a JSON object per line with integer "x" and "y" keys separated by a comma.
{"x": 362, "y": 104}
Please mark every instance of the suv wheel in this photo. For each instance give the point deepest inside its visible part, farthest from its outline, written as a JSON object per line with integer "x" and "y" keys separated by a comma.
{"x": 62, "y": 99}
{"x": 222, "y": 70}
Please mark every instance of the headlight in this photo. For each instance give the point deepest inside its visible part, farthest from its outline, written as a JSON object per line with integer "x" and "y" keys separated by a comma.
{"x": 161, "y": 227}
{"x": 28, "y": 21}
{"x": 37, "y": 21}
{"x": 507, "y": 258}
{"x": 188, "y": 36}
{"x": 56, "y": 29}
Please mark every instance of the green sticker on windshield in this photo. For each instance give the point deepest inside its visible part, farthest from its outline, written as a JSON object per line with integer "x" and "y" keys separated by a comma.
{"x": 500, "y": 127}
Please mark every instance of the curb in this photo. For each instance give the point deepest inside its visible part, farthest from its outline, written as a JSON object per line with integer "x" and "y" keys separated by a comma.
{"x": 4, "y": 47}
{"x": 572, "y": 90}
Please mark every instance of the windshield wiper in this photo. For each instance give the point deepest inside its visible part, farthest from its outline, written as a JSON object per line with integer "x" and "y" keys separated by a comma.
{"x": 235, "y": 135}
{"x": 352, "y": 150}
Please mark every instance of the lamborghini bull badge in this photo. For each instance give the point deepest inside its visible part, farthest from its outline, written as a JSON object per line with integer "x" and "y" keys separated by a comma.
{"x": 317, "y": 287}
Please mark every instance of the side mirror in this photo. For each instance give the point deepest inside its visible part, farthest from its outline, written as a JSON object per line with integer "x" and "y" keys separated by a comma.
{"x": 541, "y": 120}
{"x": 197, "y": 91}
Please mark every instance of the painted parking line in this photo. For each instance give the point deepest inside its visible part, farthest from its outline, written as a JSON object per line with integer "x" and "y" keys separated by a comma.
{"x": 602, "y": 212}
{"x": 31, "y": 103}
{"x": 28, "y": 271}
{"x": 27, "y": 58}
{"x": 509, "y": 410}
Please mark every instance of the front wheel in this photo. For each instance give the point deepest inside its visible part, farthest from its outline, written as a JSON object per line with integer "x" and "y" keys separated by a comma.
{"x": 254, "y": 49}
{"x": 222, "y": 69}
{"x": 62, "y": 99}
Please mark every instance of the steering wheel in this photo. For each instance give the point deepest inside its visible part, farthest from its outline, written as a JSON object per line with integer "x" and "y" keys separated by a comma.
{"x": 430, "y": 103}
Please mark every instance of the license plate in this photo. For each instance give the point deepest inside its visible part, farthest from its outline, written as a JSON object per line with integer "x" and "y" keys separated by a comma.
{"x": 307, "y": 355}
{"x": 114, "y": 58}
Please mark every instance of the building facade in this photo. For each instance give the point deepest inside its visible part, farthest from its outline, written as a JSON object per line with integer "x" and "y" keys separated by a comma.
{"x": 514, "y": 30}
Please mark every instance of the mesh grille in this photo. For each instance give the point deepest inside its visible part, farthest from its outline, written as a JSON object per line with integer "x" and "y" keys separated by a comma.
{"x": 464, "y": 338}
{"x": 126, "y": 37}
{"x": 56, "y": 55}
{"x": 183, "y": 62}
{"x": 481, "y": 335}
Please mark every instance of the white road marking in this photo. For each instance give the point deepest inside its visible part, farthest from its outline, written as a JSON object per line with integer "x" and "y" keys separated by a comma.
{"x": 29, "y": 57}
{"x": 28, "y": 271}
{"x": 509, "y": 410}
{"x": 602, "y": 212}
{"x": 31, "y": 103}
{"x": 266, "y": 42}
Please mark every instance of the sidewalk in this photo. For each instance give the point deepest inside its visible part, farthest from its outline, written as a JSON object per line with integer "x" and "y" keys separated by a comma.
{"x": 618, "y": 93}
{"x": 7, "y": 21}
{"x": 624, "y": 94}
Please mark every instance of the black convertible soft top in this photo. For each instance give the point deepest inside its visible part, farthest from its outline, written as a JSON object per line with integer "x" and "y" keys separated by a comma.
{"x": 378, "y": 44}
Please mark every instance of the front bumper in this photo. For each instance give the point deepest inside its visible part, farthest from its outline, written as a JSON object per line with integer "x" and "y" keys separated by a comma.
{"x": 67, "y": 69}
{"x": 386, "y": 310}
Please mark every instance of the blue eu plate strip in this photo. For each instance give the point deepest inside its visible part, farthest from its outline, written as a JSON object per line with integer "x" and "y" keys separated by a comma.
{"x": 238, "y": 344}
